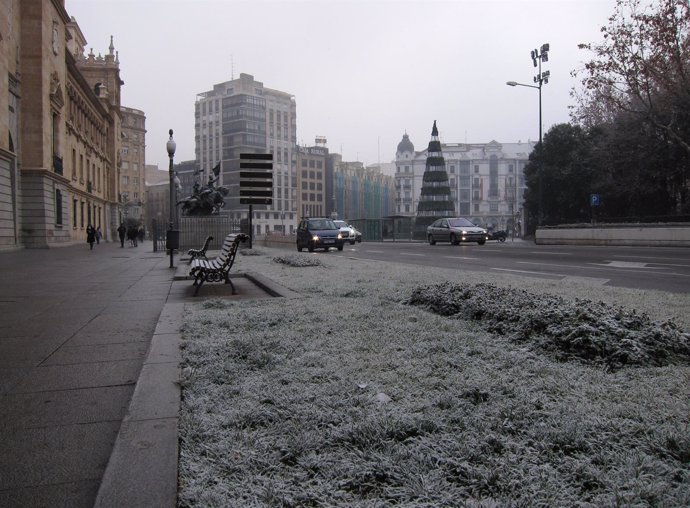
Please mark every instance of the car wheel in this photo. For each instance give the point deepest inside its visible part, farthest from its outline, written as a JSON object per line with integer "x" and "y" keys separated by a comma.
{"x": 310, "y": 247}
{"x": 359, "y": 240}
{"x": 453, "y": 239}
{"x": 481, "y": 242}
{"x": 340, "y": 247}
{"x": 431, "y": 240}
{"x": 501, "y": 239}
{"x": 352, "y": 242}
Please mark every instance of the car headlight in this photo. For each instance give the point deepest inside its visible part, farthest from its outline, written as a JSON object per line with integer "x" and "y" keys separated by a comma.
{"x": 463, "y": 232}
{"x": 340, "y": 237}
{"x": 315, "y": 238}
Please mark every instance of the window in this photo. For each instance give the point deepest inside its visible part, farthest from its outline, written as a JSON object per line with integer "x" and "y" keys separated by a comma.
{"x": 58, "y": 207}
{"x": 74, "y": 213}
{"x": 476, "y": 169}
{"x": 476, "y": 208}
{"x": 74, "y": 164}
{"x": 493, "y": 207}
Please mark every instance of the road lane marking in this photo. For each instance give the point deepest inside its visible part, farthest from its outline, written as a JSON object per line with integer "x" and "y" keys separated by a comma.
{"x": 551, "y": 253}
{"x": 569, "y": 278}
{"x": 622, "y": 264}
{"x": 375, "y": 251}
{"x": 461, "y": 257}
{"x": 529, "y": 271}
{"x": 411, "y": 254}
{"x": 590, "y": 280}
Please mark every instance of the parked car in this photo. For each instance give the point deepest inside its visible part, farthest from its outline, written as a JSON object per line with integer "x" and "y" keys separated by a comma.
{"x": 455, "y": 230}
{"x": 350, "y": 234}
{"x": 318, "y": 233}
{"x": 498, "y": 235}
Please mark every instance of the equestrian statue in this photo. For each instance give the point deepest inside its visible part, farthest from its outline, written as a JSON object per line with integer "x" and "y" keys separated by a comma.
{"x": 206, "y": 200}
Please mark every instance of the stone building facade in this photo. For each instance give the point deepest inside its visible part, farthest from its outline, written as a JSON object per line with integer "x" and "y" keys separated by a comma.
{"x": 133, "y": 169}
{"x": 59, "y": 129}
{"x": 312, "y": 196}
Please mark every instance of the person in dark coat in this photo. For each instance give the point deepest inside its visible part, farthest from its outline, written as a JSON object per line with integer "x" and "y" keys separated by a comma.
{"x": 90, "y": 235}
{"x": 121, "y": 232}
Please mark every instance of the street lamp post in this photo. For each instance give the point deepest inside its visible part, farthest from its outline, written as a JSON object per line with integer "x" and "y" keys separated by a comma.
{"x": 538, "y": 56}
{"x": 172, "y": 239}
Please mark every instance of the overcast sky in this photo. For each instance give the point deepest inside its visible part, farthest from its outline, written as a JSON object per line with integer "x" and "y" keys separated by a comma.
{"x": 362, "y": 72}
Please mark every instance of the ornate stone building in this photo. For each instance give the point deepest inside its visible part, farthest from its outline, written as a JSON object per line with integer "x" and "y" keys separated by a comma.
{"x": 486, "y": 180}
{"x": 59, "y": 129}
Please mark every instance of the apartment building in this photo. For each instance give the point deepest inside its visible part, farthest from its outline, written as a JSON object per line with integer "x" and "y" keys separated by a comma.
{"x": 244, "y": 116}
{"x": 312, "y": 198}
{"x": 133, "y": 168}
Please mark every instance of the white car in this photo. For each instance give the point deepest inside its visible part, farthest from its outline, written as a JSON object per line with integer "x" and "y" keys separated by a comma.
{"x": 348, "y": 233}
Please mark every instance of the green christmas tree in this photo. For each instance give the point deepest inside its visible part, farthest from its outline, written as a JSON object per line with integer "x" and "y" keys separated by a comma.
{"x": 434, "y": 201}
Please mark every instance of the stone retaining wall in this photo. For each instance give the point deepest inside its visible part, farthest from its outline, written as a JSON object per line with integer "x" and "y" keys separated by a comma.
{"x": 629, "y": 234}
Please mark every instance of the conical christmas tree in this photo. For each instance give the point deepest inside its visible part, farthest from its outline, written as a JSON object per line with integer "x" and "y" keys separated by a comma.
{"x": 435, "y": 201}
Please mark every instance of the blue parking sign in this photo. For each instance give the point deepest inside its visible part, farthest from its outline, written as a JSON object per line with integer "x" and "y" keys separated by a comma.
{"x": 594, "y": 200}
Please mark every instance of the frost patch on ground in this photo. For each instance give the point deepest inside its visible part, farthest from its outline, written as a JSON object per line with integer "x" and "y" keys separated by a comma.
{"x": 297, "y": 261}
{"x": 580, "y": 330}
{"x": 347, "y": 398}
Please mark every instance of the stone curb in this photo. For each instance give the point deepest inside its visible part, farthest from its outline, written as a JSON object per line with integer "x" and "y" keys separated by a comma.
{"x": 142, "y": 470}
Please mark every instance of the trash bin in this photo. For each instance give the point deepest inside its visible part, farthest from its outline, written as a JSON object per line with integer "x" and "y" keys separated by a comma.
{"x": 172, "y": 239}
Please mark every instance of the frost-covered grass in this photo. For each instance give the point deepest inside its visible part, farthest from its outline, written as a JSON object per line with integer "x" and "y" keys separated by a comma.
{"x": 351, "y": 396}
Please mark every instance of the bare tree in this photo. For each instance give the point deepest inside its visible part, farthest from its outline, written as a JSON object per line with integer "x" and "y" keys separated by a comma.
{"x": 641, "y": 67}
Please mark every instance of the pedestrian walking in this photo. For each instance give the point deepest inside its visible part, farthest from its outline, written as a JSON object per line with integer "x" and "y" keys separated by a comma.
{"x": 90, "y": 235}
{"x": 121, "y": 233}
{"x": 98, "y": 235}
{"x": 132, "y": 236}
{"x": 141, "y": 233}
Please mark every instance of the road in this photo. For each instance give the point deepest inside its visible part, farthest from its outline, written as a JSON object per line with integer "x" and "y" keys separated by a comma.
{"x": 658, "y": 268}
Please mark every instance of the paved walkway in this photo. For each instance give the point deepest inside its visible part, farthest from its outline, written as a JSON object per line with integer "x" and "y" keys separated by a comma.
{"x": 77, "y": 360}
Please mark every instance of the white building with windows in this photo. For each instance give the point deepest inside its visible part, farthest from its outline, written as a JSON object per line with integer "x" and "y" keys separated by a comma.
{"x": 487, "y": 180}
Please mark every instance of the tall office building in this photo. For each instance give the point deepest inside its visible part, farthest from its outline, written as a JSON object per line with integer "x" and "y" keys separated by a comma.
{"x": 243, "y": 116}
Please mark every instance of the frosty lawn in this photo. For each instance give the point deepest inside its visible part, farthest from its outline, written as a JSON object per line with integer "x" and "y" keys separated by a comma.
{"x": 433, "y": 388}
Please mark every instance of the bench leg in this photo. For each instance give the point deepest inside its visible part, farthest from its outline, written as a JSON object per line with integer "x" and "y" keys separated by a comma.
{"x": 228, "y": 281}
{"x": 200, "y": 281}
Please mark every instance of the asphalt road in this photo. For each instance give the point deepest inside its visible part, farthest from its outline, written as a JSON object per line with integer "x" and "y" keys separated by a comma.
{"x": 658, "y": 268}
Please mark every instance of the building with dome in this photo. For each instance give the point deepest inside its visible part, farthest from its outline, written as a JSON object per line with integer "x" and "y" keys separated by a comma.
{"x": 486, "y": 180}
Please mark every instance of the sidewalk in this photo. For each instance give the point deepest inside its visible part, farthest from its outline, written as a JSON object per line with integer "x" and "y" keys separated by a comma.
{"x": 88, "y": 371}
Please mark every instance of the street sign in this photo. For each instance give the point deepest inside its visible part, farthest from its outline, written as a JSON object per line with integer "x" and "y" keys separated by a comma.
{"x": 594, "y": 200}
{"x": 256, "y": 179}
